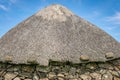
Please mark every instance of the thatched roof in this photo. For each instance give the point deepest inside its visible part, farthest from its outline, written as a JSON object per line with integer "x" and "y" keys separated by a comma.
{"x": 55, "y": 33}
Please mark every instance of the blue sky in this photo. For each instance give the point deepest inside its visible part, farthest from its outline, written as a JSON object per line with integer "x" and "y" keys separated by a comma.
{"x": 103, "y": 13}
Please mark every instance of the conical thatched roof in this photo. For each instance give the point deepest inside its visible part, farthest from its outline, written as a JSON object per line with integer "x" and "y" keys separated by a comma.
{"x": 55, "y": 33}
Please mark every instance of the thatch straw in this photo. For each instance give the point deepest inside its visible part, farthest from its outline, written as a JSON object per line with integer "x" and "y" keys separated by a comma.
{"x": 55, "y": 33}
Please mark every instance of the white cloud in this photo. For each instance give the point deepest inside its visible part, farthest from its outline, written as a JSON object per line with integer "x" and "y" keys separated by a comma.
{"x": 115, "y": 18}
{"x": 3, "y": 7}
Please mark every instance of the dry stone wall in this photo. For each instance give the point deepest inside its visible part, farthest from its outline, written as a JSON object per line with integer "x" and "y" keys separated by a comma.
{"x": 61, "y": 71}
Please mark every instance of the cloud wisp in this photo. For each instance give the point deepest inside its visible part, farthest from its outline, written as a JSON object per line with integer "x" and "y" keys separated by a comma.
{"x": 13, "y": 1}
{"x": 114, "y": 19}
{"x": 117, "y": 34}
{"x": 3, "y": 7}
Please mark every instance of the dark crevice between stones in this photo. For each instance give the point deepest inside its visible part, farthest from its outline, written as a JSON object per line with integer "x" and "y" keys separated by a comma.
{"x": 67, "y": 63}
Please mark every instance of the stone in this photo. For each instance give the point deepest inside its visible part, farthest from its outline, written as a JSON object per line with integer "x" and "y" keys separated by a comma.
{"x": 116, "y": 62}
{"x": 107, "y": 76}
{"x": 106, "y": 66}
{"x": 91, "y": 66}
{"x": 84, "y": 57}
{"x": 60, "y": 75}
{"x": 10, "y": 76}
{"x": 87, "y": 73}
{"x": 60, "y": 78}
{"x": 116, "y": 78}
{"x": 22, "y": 77}
{"x": 25, "y": 75}
{"x": 109, "y": 55}
{"x": 65, "y": 74}
{"x": 2, "y": 73}
{"x": 114, "y": 73}
{"x": 56, "y": 70}
{"x": 103, "y": 71}
{"x": 78, "y": 71}
{"x": 43, "y": 69}
{"x": 118, "y": 65}
{"x": 119, "y": 73}
{"x": 69, "y": 76}
{"x": 85, "y": 77}
{"x": 16, "y": 68}
{"x": 13, "y": 69}
{"x": 116, "y": 68}
{"x": 66, "y": 68}
{"x": 96, "y": 76}
{"x": 76, "y": 75}
{"x": 72, "y": 70}
{"x": 51, "y": 75}
{"x": 17, "y": 78}
{"x": 8, "y": 58}
{"x": 27, "y": 79}
{"x": 75, "y": 79}
{"x": 28, "y": 69}
{"x": 1, "y": 78}
{"x": 42, "y": 74}
{"x": 44, "y": 79}
{"x": 35, "y": 77}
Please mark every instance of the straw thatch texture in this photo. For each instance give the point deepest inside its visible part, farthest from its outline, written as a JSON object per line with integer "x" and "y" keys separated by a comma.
{"x": 55, "y": 33}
